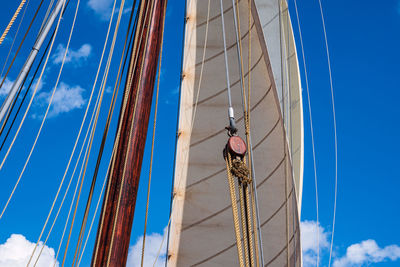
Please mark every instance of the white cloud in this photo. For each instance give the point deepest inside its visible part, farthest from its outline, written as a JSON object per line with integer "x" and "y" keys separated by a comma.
{"x": 101, "y": 7}
{"x": 309, "y": 241}
{"x": 66, "y": 98}
{"x": 367, "y": 252}
{"x": 153, "y": 243}
{"x": 17, "y": 250}
{"x": 6, "y": 87}
{"x": 75, "y": 56}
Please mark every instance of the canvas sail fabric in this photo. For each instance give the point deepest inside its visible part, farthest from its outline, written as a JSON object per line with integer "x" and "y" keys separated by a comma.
{"x": 201, "y": 231}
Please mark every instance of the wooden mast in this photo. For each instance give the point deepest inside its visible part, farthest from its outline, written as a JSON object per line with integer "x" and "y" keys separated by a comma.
{"x": 113, "y": 235}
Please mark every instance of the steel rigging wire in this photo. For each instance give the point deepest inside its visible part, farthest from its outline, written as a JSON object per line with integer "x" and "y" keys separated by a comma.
{"x": 311, "y": 128}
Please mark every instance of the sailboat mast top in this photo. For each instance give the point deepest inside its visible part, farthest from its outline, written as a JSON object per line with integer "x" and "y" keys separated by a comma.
{"x": 31, "y": 58}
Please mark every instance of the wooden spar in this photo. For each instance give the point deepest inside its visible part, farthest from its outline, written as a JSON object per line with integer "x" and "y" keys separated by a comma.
{"x": 118, "y": 211}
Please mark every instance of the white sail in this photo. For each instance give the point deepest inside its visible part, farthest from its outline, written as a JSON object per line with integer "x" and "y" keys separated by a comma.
{"x": 202, "y": 231}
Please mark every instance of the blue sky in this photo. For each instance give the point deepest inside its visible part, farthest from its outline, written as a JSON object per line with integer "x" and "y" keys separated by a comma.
{"x": 363, "y": 40}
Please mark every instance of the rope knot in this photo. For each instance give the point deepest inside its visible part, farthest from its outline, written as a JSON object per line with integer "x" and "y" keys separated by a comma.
{"x": 240, "y": 170}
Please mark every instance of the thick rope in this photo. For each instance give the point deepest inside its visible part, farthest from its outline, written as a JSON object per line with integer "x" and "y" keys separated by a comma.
{"x": 250, "y": 221}
{"x": 3, "y": 36}
{"x": 243, "y": 220}
{"x": 232, "y": 191}
{"x": 15, "y": 37}
{"x": 246, "y": 114}
{"x": 20, "y": 45}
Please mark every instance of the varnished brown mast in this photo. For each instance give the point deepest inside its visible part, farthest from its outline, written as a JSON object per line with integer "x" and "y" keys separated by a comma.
{"x": 113, "y": 235}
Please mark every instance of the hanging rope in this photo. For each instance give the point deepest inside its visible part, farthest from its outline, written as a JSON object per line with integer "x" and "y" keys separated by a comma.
{"x": 232, "y": 191}
{"x": 311, "y": 128}
{"x": 334, "y": 128}
{"x": 95, "y": 122}
{"x": 12, "y": 21}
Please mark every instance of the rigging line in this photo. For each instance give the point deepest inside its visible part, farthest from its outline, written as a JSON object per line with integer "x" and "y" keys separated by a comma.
{"x": 67, "y": 189}
{"x": 284, "y": 137}
{"x": 89, "y": 130}
{"x": 231, "y": 114}
{"x": 132, "y": 66}
{"x": 20, "y": 45}
{"x": 195, "y": 105}
{"x": 83, "y": 121}
{"x": 12, "y": 21}
{"x": 247, "y": 236}
{"x": 74, "y": 195}
{"x": 130, "y": 134}
{"x": 106, "y": 129}
{"x": 46, "y": 15}
{"x": 24, "y": 97}
{"x": 294, "y": 199}
{"x": 15, "y": 38}
{"x": 288, "y": 119}
{"x": 49, "y": 104}
{"x": 202, "y": 65}
{"x": 97, "y": 205}
{"x": 177, "y": 125}
{"x": 258, "y": 246}
{"x": 311, "y": 127}
{"x": 246, "y": 116}
{"x": 335, "y": 129}
{"x": 77, "y": 139}
{"x": 33, "y": 95}
{"x": 114, "y": 148}
{"x": 105, "y": 76}
{"x": 194, "y": 112}
{"x": 153, "y": 138}
{"x": 34, "y": 92}
{"x": 162, "y": 242}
